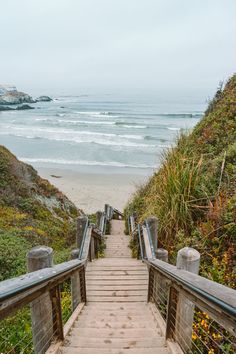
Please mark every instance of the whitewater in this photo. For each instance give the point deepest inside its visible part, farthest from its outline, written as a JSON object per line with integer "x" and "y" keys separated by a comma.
{"x": 97, "y": 130}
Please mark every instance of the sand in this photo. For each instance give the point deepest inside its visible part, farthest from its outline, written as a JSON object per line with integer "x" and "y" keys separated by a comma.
{"x": 91, "y": 190}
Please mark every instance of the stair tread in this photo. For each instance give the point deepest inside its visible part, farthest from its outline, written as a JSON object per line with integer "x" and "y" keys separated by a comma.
{"x": 116, "y": 318}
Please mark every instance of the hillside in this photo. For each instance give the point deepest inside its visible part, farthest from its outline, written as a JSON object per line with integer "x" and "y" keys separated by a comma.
{"x": 193, "y": 194}
{"x": 32, "y": 212}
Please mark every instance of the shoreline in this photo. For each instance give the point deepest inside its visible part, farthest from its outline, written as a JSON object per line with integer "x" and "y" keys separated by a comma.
{"x": 90, "y": 190}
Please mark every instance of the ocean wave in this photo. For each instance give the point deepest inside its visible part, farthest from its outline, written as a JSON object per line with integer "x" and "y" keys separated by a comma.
{"x": 127, "y": 136}
{"x": 85, "y": 122}
{"x": 131, "y": 125}
{"x": 173, "y": 128}
{"x": 184, "y": 114}
{"x": 84, "y": 162}
{"x": 98, "y": 114}
{"x": 54, "y": 121}
{"x": 97, "y": 138}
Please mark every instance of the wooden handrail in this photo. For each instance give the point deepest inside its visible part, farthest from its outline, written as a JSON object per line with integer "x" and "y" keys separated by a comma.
{"x": 18, "y": 292}
{"x": 217, "y": 294}
{"x": 176, "y": 292}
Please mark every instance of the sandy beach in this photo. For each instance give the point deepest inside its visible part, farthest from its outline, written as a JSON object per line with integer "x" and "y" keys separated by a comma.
{"x": 91, "y": 190}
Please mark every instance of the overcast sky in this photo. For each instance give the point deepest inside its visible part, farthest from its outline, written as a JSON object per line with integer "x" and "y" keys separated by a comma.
{"x": 79, "y": 46}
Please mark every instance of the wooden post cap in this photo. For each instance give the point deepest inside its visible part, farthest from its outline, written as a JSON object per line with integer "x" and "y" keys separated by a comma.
{"x": 189, "y": 259}
{"x": 162, "y": 254}
{"x": 39, "y": 257}
{"x": 74, "y": 253}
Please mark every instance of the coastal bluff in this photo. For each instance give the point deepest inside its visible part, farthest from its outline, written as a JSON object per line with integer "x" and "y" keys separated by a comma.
{"x": 9, "y": 95}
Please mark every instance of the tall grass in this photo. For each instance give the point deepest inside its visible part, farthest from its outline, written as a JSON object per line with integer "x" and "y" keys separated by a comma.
{"x": 179, "y": 193}
{"x": 176, "y": 194}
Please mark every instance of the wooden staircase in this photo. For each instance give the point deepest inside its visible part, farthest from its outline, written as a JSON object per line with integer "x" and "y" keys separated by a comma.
{"x": 117, "y": 318}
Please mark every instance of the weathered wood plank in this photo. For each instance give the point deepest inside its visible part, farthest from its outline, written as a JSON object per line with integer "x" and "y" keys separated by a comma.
{"x": 115, "y": 324}
{"x": 116, "y": 317}
{"x": 75, "y": 341}
{"x": 118, "y": 292}
{"x": 116, "y": 298}
{"x": 147, "y": 243}
{"x": 117, "y": 273}
{"x": 115, "y": 277}
{"x": 112, "y": 317}
{"x": 117, "y": 282}
{"x": 137, "y": 311}
{"x": 215, "y": 290}
{"x": 18, "y": 292}
{"x": 116, "y": 351}
{"x": 117, "y": 287}
{"x": 104, "y": 332}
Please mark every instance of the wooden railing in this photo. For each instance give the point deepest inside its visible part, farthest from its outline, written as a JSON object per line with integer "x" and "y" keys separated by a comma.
{"x": 197, "y": 314}
{"x": 41, "y": 289}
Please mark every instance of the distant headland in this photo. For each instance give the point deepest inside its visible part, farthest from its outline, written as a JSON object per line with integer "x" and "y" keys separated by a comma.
{"x": 10, "y": 96}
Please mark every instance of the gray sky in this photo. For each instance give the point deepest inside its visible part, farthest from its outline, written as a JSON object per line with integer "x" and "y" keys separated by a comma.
{"x": 78, "y": 46}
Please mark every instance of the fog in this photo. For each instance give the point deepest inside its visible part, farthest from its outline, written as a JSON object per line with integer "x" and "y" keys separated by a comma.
{"x": 117, "y": 46}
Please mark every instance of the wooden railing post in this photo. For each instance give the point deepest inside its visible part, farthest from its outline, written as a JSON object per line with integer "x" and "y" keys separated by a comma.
{"x": 75, "y": 283}
{"x": 81, "y": 223}
{"x": 41, "y": 309}
{"x": 152, "y": 223}
{"x": 98, "y": 219}
{"x": 160, "y": 282}
{"x": 132, "y": 225}
{"x": 106, "y": 209}
{"x": 92, "y": 246}
{"x": 83, "y": 285}
{"x": 187, "y": 259}
{"x": 162, "y": 254}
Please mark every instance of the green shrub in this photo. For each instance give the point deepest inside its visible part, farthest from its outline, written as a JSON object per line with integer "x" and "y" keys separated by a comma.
{"x": 12, "y": 254}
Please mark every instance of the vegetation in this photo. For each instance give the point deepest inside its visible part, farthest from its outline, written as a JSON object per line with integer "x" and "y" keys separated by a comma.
{"x": 32, "y": 212}
{"x": 193, "y": 194}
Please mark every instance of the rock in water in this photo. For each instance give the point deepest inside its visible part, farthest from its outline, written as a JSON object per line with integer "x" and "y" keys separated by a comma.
{"x": 18, "y": 108}
{"x": 15, "y": 97}
{"x": 43, "y": 99}
{"x": 3, "y": 108}
{"x": 24, "y": 107}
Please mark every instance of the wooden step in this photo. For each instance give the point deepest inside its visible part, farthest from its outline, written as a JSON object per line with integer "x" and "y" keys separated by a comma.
{"x": 115, "y": 293}
{"x": 116, "y": 299}
{"x": 117, "y": 281}
{"x": 126, "y": 343}
{"x": 116, "y": 287}
{"x": 138, "y": 311}
{"x": 115, "y": 324}
{"x": 115, "y": 333}
{"x": 128, "y": 306}
{"x": 117, "y": 272}
{"x": 114, "y": 351}
{"x": 116, "y": 318}
{"x": 91, "y": 276}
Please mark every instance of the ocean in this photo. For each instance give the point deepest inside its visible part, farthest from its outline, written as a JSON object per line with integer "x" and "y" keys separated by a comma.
{"x": 98, "y": 131}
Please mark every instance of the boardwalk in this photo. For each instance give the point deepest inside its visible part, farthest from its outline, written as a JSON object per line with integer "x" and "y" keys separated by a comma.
{"x": 117, "y": 318}
{"x": 111, "y": 314}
